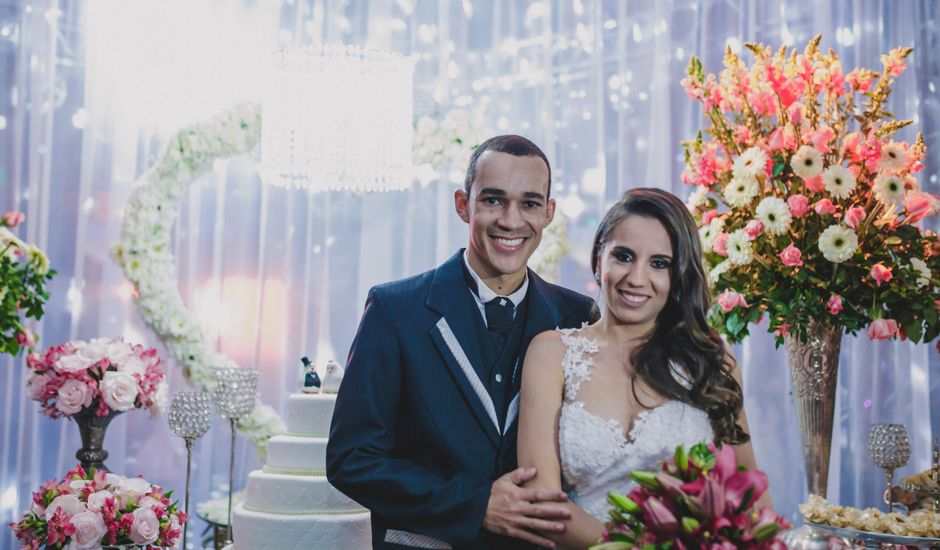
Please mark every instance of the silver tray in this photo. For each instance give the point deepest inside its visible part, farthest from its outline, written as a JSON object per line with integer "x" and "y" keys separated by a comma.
{"x": 875, "y": 540}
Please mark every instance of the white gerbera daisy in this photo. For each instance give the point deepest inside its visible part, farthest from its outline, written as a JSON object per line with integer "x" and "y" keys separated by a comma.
{"x": 893, "y": 157}
{"x": 696, "y": 198}
{"x": 739, "y": 248}
{"x": 839, "y": 181}
{"x": 708, "y": 233}
{"x": 838, "y": 243}
{"x": 716, "y": 272}
{"x": 807, "y": 162}
{"x": 750, "y": 163}
{"x": 889, "y": 189}
{"x": 774, "y": 214}
{"x": 923, "y": 272}
{"x": 740, "y": 190}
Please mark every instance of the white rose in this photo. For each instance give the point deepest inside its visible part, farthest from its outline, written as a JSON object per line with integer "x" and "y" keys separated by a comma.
{"x": 94, "y": 351}
{"x": 146, "y": 527}
{"x": 134, "y": 487}
{"x": 69, "y": 504}
{"x": 113, "y": 480}
{"x": 73, "y": 396}
{"x": 96, "y": 499}
{"x": 89, "y": 530}
{"x": 119, "y": 390}
{"x": 118, "y": 352}
{"x": 133, "y": 365}
{"x": 72, "y": 363}
{"x": 76, "y": 485}
{"x": 148, "y": 503}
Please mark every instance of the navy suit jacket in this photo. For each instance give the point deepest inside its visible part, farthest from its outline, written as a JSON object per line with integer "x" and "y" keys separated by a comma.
{"x": 415, "y": 437}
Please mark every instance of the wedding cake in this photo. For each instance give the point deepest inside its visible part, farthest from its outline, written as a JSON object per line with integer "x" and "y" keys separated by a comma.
{"x": 290, "y": 503}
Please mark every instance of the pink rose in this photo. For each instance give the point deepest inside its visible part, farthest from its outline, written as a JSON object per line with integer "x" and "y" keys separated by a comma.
{"x": 799, "y": 205}
{"x": 791, "y": 256}
{"x": 73, "y": 396}
{"x": 730, "y": 299}
{"x": 917, "y": 207}
{"x": 776, "y": 141}
{"x": 854, "y": 216}
{"x": 146, "y": 526}
{"x": 36, "y": 386}
{"x": 721, "y": 244}
{"x": 707, "y": 217}
{"x": 881, "y": 274}
{"x": 834, "y": 305}
{"x": 13, "y": 218}
{"x": 882, "y": 329}
{"x": 26, "y": 338}
{"x": 89, "y": 529}
{"x": 815, "y": 185}
{"x": 821, "y": 138}
{"x": 824, "y": 206}
{"x": 753, "y": 229}
{"x": 851, "y": 146}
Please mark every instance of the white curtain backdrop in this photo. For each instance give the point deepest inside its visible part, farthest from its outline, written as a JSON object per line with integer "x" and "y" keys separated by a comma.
{"x": 93, "y": 90}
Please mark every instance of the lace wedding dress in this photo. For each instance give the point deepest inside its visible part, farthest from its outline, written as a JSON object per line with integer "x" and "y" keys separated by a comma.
{"x": 596, "y": 456}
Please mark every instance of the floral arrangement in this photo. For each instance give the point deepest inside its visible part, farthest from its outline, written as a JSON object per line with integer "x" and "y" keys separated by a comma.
{"x": 144, "y": 250}
{"x": 24, "y": 271}
{"x": 89, "y": 509}
{"x": 546, "y": 260}
{"x": 447, "y": 141}
{"x": 701, "y": 499}
{"x": 101, "y": 376}
{"x": 806, "y": 200}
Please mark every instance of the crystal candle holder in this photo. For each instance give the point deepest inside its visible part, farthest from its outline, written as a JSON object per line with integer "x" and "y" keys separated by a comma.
{"x": 190, "y": 418}
{"x": 889, "y": 448}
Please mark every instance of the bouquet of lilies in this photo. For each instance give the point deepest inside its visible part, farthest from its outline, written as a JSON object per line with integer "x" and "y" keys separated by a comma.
{"x": 806, "y": 199}
{"x": 700, "y": 500}
{"x": 24, "y": 271}
{"x": 92, "y": 509}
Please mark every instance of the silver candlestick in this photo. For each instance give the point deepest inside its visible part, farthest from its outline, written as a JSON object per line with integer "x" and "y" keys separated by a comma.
{"x": 889, "y": 448}
{"x": 190, "y": 418}
{"x": 235, "y": 394}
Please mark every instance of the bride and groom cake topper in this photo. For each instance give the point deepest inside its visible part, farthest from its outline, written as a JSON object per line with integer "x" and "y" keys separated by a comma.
{"x": 312, "y": 382}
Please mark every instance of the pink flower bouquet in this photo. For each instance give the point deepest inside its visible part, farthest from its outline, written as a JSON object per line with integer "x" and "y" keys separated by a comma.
{"x": 700, "y": 500}
{"x": 101, "y": 375}
{"x": 807, "y": 200}
{"x": 24, "y": 271}
{"x": 88, "y": 510}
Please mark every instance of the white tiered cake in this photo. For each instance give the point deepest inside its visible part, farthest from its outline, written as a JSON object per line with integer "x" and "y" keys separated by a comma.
{"x": 290, "y": 504}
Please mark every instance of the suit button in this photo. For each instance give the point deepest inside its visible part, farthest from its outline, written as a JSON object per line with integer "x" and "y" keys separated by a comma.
{"x": 499, "y": 378}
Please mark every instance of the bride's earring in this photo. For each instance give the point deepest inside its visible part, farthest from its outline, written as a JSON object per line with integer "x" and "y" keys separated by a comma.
{"x": 597, "y": 277}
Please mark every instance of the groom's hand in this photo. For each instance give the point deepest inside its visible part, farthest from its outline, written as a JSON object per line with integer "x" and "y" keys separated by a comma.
{"x": 516, "y": 512}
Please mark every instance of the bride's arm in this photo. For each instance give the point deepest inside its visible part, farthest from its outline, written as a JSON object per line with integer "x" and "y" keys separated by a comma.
{"x": 539, "y": 413}
{"x": 745, "y": 452}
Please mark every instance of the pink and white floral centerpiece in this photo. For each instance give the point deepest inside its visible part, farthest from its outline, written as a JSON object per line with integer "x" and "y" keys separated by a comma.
{"x": 101, "y": 376}
{"x": 91, "y": 509}
{"x": 807, "y": 200}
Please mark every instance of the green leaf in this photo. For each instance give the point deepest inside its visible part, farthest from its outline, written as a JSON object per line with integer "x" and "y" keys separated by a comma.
{"x": 778, "y": 168}
{"x": 734, "y": 324}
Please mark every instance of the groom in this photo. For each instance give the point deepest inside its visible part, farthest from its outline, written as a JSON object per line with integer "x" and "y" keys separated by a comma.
{"x": 424, "y": 431}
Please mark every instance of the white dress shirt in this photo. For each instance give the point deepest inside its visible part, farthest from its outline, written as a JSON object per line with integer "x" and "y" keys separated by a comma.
{"x": 487, "y": 294}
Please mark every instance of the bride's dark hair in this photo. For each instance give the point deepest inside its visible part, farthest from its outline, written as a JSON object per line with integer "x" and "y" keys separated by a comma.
{"x": 682, "y": 335}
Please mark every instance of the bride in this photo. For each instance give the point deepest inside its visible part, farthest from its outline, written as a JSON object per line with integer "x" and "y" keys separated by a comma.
{"x": 619, "y": 395}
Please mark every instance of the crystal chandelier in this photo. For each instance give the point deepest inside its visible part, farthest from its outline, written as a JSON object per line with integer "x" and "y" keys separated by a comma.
{"x": 337, "y": 117}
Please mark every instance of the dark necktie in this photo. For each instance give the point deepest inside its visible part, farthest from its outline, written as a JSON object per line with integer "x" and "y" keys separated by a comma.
{"x": 499, "y": 314}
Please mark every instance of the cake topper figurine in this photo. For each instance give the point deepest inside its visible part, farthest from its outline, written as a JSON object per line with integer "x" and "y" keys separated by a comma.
{"x": 332, "y": 377}
{"x": 309, "y": 379}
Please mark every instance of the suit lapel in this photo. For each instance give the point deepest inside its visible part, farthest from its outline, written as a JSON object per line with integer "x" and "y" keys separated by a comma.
{"x": 455, "y": 337}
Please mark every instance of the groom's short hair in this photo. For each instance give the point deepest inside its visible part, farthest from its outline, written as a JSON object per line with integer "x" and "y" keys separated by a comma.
{"x": 517, "y": 146}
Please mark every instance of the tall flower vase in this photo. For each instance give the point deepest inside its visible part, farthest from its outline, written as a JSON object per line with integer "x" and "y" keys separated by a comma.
{"x": 92, "y": 430}
{"x": 814, "y": 371}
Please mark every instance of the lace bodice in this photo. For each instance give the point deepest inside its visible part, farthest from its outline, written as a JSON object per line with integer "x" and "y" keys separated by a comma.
{"x": 596, "y": 457}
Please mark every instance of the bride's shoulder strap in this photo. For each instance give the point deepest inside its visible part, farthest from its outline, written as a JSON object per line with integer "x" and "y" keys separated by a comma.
{"x": 576, "y": 363}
